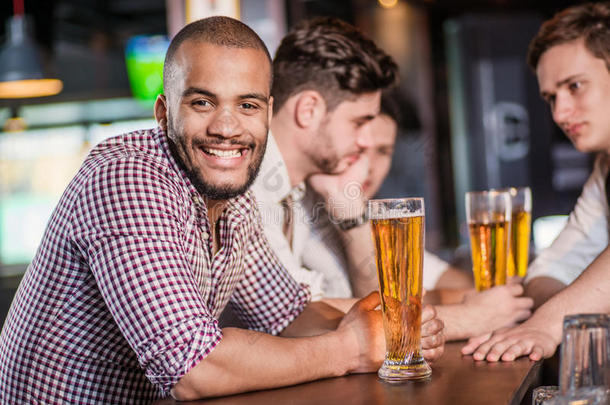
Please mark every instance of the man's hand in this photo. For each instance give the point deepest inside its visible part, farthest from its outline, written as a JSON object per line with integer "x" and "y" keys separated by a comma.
{"x": 432, "y": 335}
{"x": 483, "y": 312}
{"x": 530, "y": 338}
{"x": 363, "y": 328}
{"x": 496, "y": 308}
{"x": 342, "y": 192}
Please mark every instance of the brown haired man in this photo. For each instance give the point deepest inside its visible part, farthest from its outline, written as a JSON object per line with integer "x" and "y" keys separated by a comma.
{"x": 152, "y": 238}
{"x": 327, "y": 87}
{"x": 571, "y": 58}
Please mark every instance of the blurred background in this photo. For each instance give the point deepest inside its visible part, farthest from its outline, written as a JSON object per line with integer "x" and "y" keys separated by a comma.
{"x": 462, "y": 64}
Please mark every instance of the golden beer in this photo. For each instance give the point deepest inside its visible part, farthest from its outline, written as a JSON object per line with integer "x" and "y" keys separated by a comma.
{"x": 489, "y": 215}
{"x": 518, "y": 256}
{"x": 399, "y": 244}
{"x": 489, "y": 246}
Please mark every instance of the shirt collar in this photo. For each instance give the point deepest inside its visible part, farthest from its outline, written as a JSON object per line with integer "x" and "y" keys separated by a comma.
{"x": 273, "y": 181}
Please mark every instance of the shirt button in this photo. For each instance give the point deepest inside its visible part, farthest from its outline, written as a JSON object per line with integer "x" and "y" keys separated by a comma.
{"x": 205, "y": 235}
{"x": 197, "y": 200}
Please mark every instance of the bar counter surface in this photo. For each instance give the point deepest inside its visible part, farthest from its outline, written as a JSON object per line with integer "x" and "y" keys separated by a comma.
{"x": 455, "y": 380}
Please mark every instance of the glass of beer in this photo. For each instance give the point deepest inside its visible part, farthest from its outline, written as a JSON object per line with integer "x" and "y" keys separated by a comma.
{"x": 398, "y": 235}
{"x": 489, "y": 215}
{"x": 518, "y": 255}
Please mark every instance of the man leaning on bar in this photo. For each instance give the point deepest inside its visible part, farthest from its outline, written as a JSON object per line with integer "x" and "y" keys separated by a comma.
{"x": 154, "y": 236}
{"x": 571, "y": 58}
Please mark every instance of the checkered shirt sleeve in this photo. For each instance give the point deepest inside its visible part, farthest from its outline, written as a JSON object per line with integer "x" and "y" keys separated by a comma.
{"x": 126, "y": 226}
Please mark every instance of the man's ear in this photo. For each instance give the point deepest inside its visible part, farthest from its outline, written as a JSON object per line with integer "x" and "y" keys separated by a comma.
{"x": 309, "y": 109}
{"x": 161, "y": 111}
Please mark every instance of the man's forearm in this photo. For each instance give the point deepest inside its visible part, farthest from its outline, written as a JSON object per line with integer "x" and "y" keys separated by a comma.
{"x": 541, "y": 289}
{"x": 457, "y": 322}
{"x": 247, "y": 360}
{"x": 587, "y": 294}
{"x": 360, "y": 255}
{"x": 317, "y": 318}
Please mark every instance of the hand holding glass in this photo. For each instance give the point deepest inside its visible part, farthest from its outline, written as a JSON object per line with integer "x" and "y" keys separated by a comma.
{"x": 398, "y": 235}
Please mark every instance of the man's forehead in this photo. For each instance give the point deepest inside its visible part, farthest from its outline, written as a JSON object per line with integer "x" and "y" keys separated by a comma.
{"x": 197, "y": 60}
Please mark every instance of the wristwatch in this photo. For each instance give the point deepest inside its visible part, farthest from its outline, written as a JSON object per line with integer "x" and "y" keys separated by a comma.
{"x": 350, "y": 223}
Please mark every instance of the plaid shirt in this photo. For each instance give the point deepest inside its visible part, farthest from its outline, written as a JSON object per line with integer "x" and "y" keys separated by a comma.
{"x": 123, "y": 295}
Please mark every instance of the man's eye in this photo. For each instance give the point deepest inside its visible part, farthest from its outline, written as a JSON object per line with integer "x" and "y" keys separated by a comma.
{"x": 202, "y": 103}
{"x": 248, "y": 106}
{"x": 575, "y": 86}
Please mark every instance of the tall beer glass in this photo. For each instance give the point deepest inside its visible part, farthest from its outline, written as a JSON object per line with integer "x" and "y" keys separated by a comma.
{"x": 521, "y": 206}
{"x": 398, "y": 234}
{"x": 489, "y": 215}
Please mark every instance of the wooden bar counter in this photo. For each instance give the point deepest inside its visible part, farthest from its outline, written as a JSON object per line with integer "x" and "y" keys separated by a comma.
{"x": 455, "y": 380}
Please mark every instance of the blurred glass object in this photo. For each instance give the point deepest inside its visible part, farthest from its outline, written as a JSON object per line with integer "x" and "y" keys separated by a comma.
{"x": 584, "y": 352}
{"x": 144, "y": 56}
{"x": 582, "y": 396}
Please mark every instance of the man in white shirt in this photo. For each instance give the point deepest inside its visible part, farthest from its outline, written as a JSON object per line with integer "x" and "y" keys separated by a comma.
{"x": 571, "y": 58}
{"x": 327, "y": 82}
{"x": 568, "y": 56}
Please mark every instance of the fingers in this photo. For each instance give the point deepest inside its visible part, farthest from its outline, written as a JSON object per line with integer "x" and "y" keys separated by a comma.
{"x": 515, "y": 289}
{"x": 515, "y": 350}
{"x": 432, "y": 327}
{"x": 514, "y": 280}
{"x": 370, "y": 302}
{"x": 537, "y": 353}
{"x": 524, "y": 302}
{"x": 523, "y": 315}
{"x": 428, "y": 313}
{"x": 431, "y": 355}
{"x": 433, "y": 341}
{"x": 474, "y": 343}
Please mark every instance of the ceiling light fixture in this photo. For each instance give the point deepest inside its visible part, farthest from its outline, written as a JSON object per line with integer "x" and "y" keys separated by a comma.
{"x": 21, "y": 74}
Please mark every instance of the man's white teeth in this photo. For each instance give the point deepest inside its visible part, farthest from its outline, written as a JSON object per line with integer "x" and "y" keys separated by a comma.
{"x": 224, "y": 153}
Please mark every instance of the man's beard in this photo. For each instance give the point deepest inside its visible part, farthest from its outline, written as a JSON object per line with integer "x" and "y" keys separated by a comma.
{"x": 323, "y": 155}
{"x": 214, "y": 192}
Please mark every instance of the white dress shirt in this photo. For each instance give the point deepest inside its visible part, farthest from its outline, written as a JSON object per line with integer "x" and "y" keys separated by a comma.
{"x": 324, "y": 254}
{"x": 271, "y": 186}
{"x": 584, "y": 236}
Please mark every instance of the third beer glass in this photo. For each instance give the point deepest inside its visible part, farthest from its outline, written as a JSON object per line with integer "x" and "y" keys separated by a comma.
{"x": 398, "y": 235}
{"x": 521, "y": 205}
{"x": 489, "y": 216}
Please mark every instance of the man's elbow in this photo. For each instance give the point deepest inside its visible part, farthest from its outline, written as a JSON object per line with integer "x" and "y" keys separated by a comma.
{"x": 184, "y": 391}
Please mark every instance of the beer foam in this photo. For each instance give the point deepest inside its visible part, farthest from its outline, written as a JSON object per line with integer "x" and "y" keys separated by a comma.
{"x": 396, "y": 208}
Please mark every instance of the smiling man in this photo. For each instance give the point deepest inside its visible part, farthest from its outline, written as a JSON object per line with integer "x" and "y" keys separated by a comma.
{"x": 571, "y": 58}
{"x": 154, "y": 236}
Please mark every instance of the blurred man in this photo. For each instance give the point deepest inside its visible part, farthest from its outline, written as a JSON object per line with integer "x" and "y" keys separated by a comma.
{"x": 152, "y": 238}
{"x": 346, "y": 257}
{"x": 327, "y": 86}
{"x": 571, "y": 58}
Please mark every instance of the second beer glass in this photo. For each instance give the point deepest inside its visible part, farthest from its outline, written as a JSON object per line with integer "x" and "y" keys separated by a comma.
{"x": 521, "y": 206}
{"x": 398, "y": 235}
{"x": 489, "y": 217}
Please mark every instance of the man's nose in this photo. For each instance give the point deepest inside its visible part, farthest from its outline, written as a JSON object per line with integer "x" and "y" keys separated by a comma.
{"x": 364, "y": 139}
{"x": 225, "y": 124}
{"x": 563, "y": 109}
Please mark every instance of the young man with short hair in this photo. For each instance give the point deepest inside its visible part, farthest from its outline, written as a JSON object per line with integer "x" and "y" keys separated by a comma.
{"x": 571, "y": 58}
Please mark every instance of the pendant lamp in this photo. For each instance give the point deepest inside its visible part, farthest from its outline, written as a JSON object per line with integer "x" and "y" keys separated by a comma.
{"x": 21, "y": 74}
